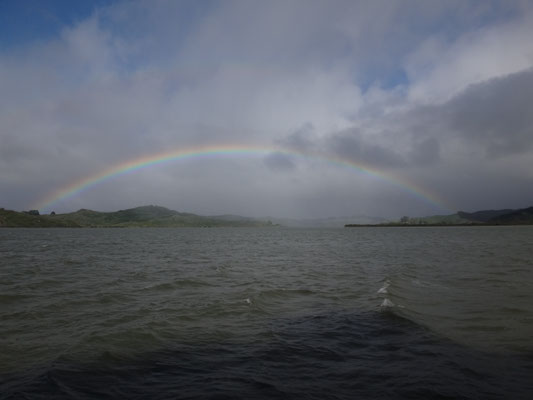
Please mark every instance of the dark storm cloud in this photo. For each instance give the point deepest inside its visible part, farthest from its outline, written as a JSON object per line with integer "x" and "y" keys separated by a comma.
{"x": 350, "y": 144}
{"x": 493, "y": 118}
{"x": 478, "y": 140}
{"x": 496, "y": 115}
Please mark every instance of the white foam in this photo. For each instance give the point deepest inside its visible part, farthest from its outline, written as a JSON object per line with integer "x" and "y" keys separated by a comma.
{"x": 383, "y": 289}
{"x": 387, "y": 303}
{"x": 248, "y": 301}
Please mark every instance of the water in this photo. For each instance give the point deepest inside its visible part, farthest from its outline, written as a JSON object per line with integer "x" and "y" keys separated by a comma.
{"x": 267, "y": 313}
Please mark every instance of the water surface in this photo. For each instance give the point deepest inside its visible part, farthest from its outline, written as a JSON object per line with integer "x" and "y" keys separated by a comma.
{"x": 267, "y": 313}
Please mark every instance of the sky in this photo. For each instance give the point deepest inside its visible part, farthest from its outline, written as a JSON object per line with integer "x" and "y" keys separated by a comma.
{"x": 288, "y": 108}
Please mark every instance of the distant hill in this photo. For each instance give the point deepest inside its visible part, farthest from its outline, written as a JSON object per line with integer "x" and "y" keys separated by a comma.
{"x": 452, "y": 219}
{"x": 145, "y": 216}
{"x": 14, "y": 219}
{"x": 485, "y": 217}
{"x": 156, "y": 216}
{"x": 518, "y": 217}
{"x": 331, "y": 222}
{"x": 506, "y": 216}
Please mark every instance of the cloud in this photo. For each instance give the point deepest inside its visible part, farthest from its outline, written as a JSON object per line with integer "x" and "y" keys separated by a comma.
{"x": 439, "y": 70}
{"x": 495, "y": 115}
{"x": 434, "y": 94}
{"x": 425, "y": 152}
{"x": 279, "y": 162}
{"x": 302, "y": 139}
{"x": 351, "y": 145}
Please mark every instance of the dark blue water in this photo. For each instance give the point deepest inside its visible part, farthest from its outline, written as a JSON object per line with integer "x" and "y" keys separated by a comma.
{"x": 423, "y": 313}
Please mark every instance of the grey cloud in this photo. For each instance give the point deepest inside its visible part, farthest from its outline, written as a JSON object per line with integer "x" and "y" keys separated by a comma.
{"x": 492, "y": 119}
{"x": 13, "y": 148}
{"x": 350, "y": 144}
{"x": 426, "y": 151}
{"x": 302, "y": 139}
{"x": 279, "y": 162}
{"x": 143, "y": 77}
{"x": 495, "y": 115}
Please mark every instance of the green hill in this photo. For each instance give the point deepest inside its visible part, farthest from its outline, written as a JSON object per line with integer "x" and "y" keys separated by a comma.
{"x": 485, "y": 217}
{"x": 452, "y": 219}
{"x": 523, "y": 216}
{"x": 14, "y": 219}
{"x": 490, "y": 217}
{"x": 146, "y": 216}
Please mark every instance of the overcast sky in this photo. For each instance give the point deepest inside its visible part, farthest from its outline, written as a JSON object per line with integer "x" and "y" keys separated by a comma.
{"x": 435, "y": 94}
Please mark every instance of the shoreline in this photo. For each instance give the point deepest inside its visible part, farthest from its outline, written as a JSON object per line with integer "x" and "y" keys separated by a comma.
{"x": 426, "y": 225}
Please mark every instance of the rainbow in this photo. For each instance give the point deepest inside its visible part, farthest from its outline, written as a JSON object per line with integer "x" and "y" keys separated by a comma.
{"x": 146, "y": 161}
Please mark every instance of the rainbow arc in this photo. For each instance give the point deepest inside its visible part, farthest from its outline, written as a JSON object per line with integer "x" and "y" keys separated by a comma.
{"x": 76, "y": 187}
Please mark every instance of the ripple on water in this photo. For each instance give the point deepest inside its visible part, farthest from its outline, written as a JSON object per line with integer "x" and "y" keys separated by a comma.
{"x": 266, "y": 313}
{"x": 339, "y": 355}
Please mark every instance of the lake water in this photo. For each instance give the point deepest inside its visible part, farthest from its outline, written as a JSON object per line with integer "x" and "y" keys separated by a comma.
{"x": 367, "y": 313}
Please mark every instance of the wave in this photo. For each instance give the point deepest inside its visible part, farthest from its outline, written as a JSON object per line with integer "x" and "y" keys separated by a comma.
{"x": 466, "y": 309}
{"x": 336, "y": 355}
{"x": 177, "y": 284}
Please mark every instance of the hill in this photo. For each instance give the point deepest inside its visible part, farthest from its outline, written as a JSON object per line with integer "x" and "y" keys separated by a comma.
{"x": 14, "y": 219}
{"x": 518, "y": 217}
{"x": 145, "y": 216}
{"x": 485, "y": 217}
{"x": 329, "y": 222}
